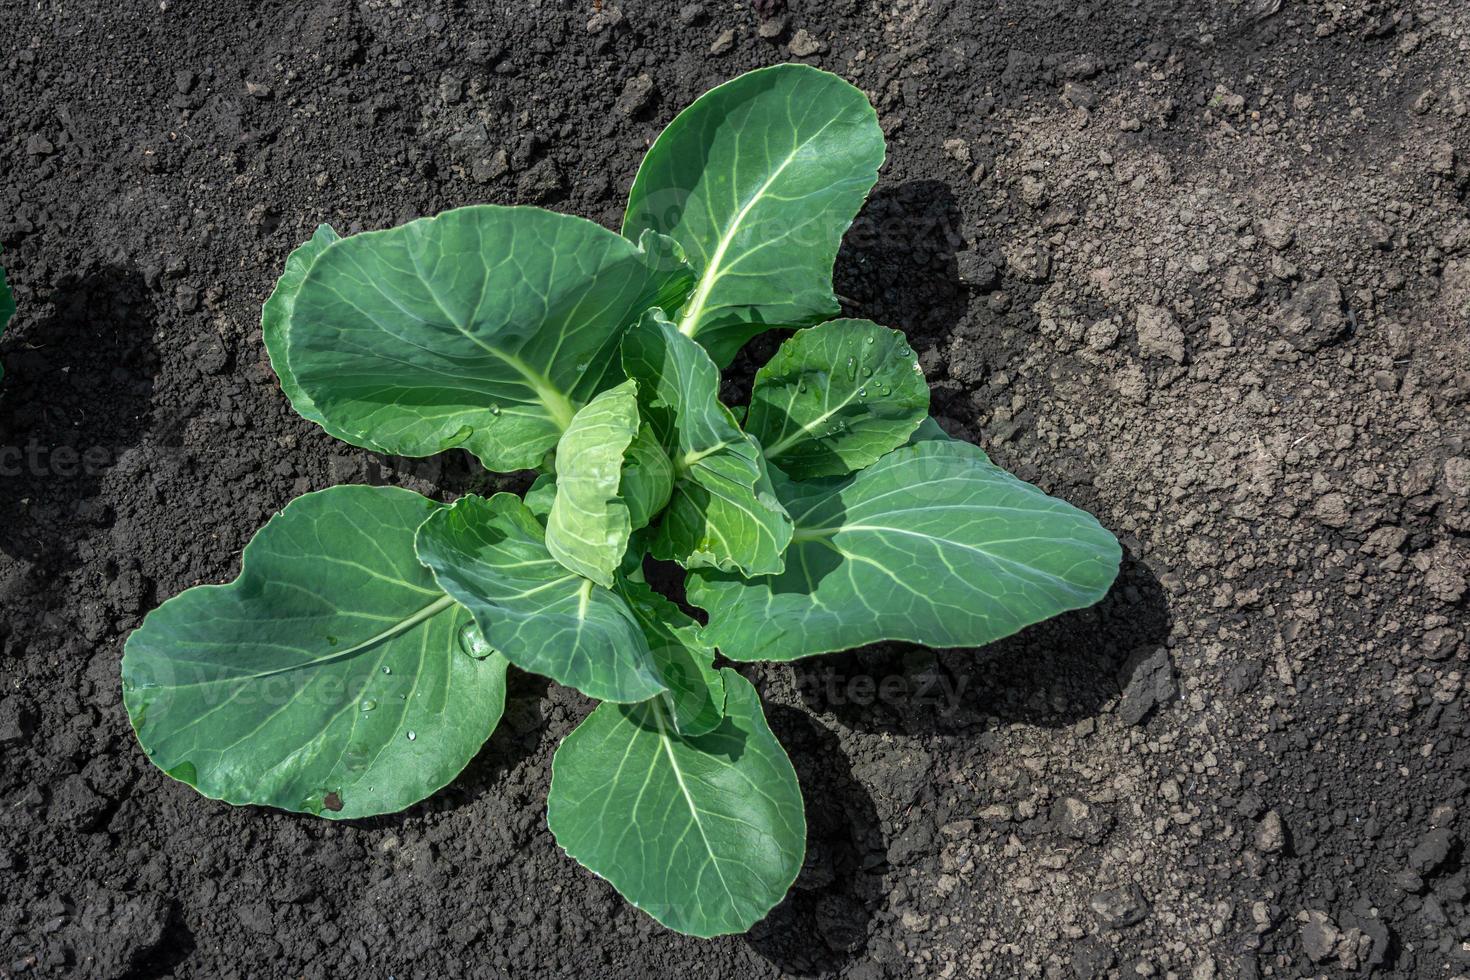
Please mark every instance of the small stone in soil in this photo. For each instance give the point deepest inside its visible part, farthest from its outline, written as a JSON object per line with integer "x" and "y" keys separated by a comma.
{"x": 1148, "y": 682}
{"x": 1314, "y": 316}
{"x": 1270, "y": 833}
{"x": 637, "y": 92}
{"x": 1319, "y": 936}
{"x": 1118, "y": 908}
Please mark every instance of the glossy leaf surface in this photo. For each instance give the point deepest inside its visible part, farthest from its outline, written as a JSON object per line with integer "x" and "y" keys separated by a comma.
{"x": 723, "y": 512}
{"x": 703, "y": 833}
{"x": 932, "y": 544}
{"x": 758, "y": 180}
{"x": 588, "y": 527}
{"x": 837, "y": 397}
{"x": 491, "y": 556}
{"x": 686, "y": 663}
{"x": 483, "y": 328}
{"x": 275, "y": 315}
{"x": 333, "y": 676}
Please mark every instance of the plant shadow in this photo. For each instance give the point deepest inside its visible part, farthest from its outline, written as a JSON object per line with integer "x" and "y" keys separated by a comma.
{"x": 898, "y": 262}
{"x": 1053, "y": 674}
{"x": 897, "y": 267}
{"x": 825, "y": 919}
{"x": 77, "y": 393}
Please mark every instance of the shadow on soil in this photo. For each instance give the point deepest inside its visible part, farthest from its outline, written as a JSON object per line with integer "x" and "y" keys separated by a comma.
{"x": 76, "y": 394}
{"x": 1054, "y": 674}
{"x": 824, "y": 919}
{"x": 897, "y": 265}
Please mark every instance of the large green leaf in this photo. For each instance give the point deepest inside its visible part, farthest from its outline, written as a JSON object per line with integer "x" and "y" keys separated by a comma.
{"x": 931, "y": 544}
{"x": 490, "y": 556}
{"x": 723, "y": 512}
{"x": 333, "y": 676}
{"x": 276, "y": 314}
{"x": 483, "y": 328}
{"x": 703, "y": 833}
{"x": 837, "y": 397}
{"x": 587, "y": 530}
{"x": 696, "y": 691}
{"x": 758, "y": 180}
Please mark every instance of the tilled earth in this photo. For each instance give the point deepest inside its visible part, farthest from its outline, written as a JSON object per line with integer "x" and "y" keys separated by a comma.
{"x": 1201, "y": 268}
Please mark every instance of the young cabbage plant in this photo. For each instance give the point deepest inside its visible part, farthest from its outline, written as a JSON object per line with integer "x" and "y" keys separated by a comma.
{"x": 359, "y": 661}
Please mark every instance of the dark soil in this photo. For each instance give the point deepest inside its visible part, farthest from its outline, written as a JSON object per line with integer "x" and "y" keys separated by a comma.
{"x": 1202, "y": 268}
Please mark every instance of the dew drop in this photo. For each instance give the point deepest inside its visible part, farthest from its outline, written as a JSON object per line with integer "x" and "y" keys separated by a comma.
{"x": 387, "y": 669}
{"x": 494, "y": 409}
{"x": 412, "y": 736}
{"x": 331, "y": 641}
{"x": 867, "y": 372}
{"x": 862, "y": 392}
{"x": 472, "y": 643}
{"x": 852, "y": 367}
{"x": 368, "y": 704}
{"x": 870, "y": 340}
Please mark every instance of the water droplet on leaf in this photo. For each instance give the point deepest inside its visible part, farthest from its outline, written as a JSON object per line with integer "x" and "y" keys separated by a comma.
{"x": 387, "y": 669}
{"x": 472, "y": 642}
{"x": 368, "y": 704}
{"x": 412, "y": 736}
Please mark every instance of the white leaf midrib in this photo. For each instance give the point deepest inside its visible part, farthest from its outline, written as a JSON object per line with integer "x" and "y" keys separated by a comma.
{"x": 694, "y": 312}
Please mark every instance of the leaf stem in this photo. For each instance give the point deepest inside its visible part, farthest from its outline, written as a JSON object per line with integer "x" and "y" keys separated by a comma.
{"x": 558, "y": 405}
